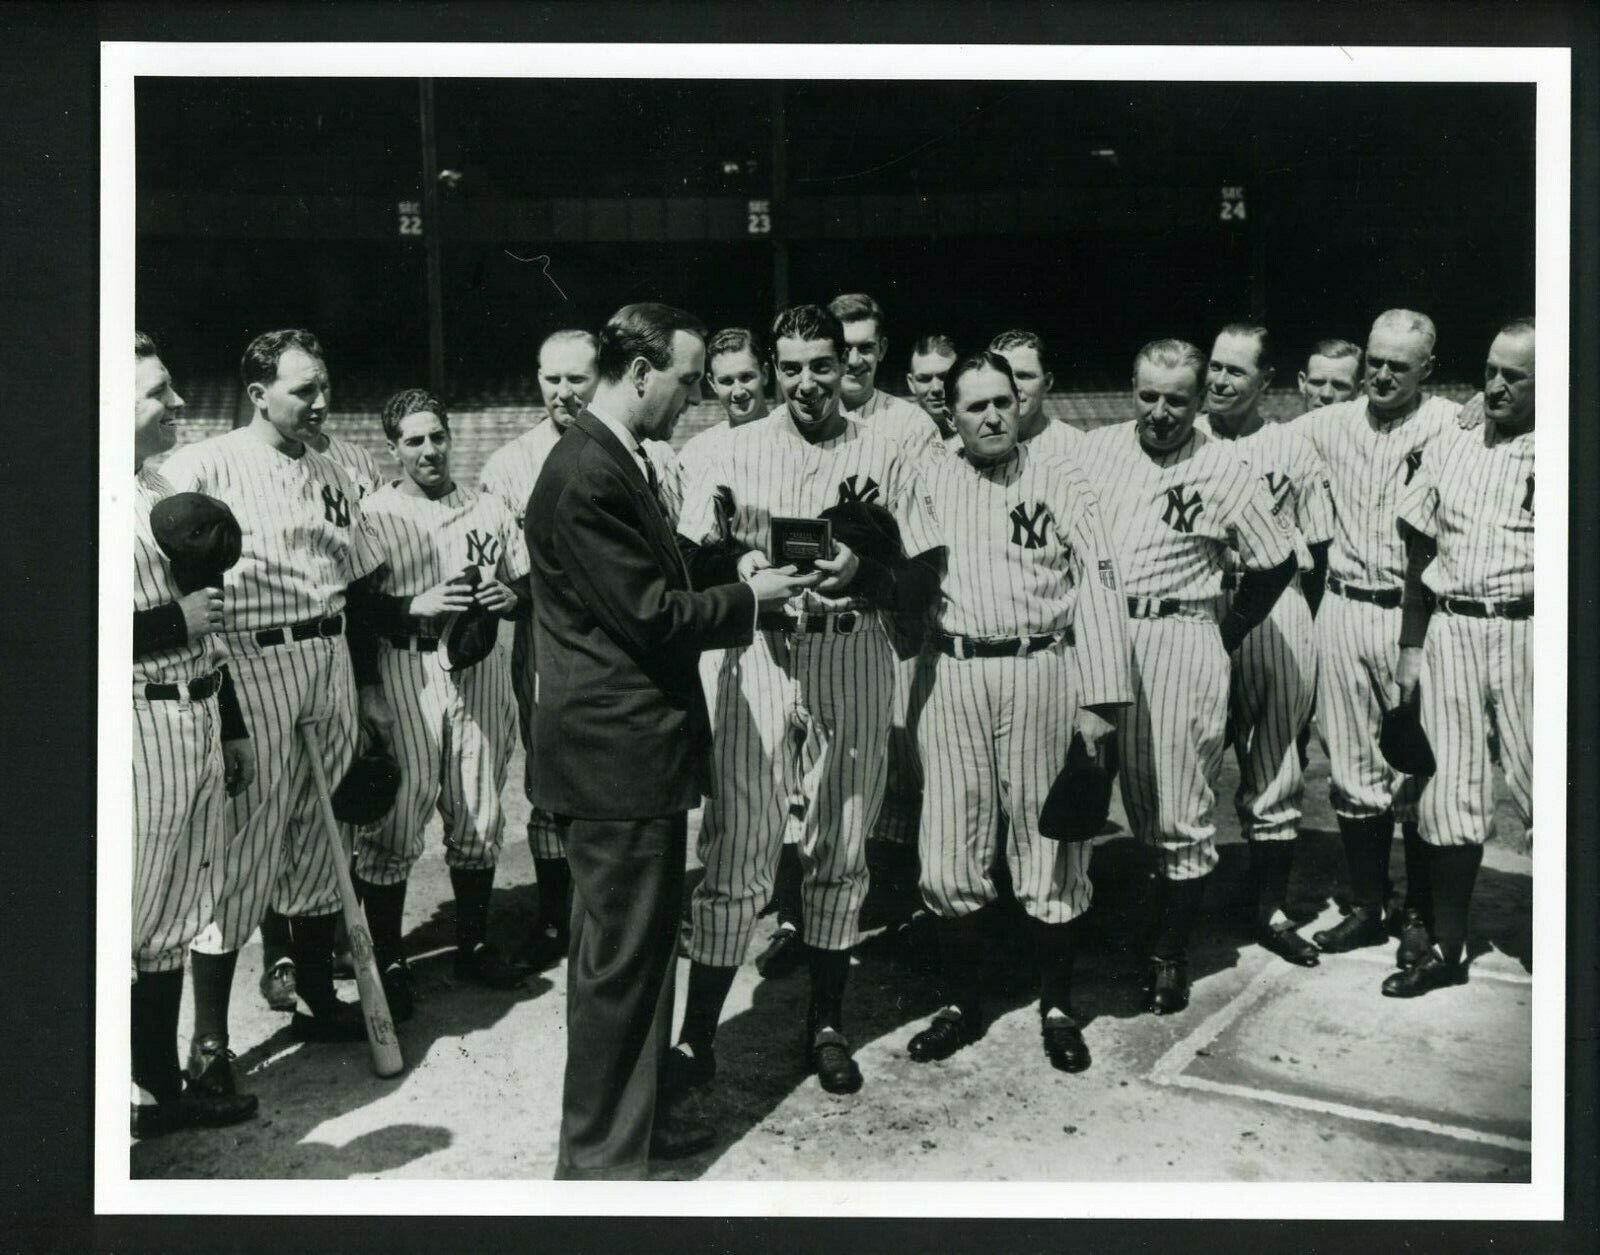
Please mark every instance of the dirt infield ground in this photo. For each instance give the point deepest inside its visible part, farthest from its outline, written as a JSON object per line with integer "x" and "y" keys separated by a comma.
{"x": 1272, "y": 1074}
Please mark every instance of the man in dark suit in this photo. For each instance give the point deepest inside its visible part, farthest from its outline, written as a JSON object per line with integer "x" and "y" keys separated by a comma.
{"x": 620, "y": 738}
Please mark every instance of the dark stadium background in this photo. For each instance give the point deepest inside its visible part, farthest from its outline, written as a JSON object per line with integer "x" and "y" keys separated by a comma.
{"x": 1091, "y": 212}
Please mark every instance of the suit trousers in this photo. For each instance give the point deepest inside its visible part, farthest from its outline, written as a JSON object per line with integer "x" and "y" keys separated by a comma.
{"x": 627, "y": 878}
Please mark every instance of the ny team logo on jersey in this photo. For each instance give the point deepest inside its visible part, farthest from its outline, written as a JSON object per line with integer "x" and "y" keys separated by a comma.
{"x": 852, "y": 489}
{"x": 1182, "y": 511}
{"x": 334, "y": 507}
{"x": 1413, "y": 464}
{"x": 1527, "y": 498}
{"x": 1029, "y": 524}
{"x": 483, "y": 549}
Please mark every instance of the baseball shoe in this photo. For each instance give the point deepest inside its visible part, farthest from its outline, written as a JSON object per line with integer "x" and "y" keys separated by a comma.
{"x": 195, "y": 1108}
{"x": 210, "y": 1066}
{"x": 1288, "y": 945}
{"x": 332, "y": 1021}
{"x": 278, "y": 985}
{"x": 828, "y": 1055}
{"x": 944, "y": 1035}
{"x": 1430, "y": 972}
{"x": 1360, "y": 928}
{"x": 683, "y": 1069}
{"x": 1414, "y": 940}
{"x": 397, "y": 989}
{"x": 784, "y": 954}
{"x": 1064, "y": 1045}
{"x": 675, "y": 1136}
{"x": 1166, "y": 986}
{"x": 344, "y": 966}
{"x": 544, "y": 948}
{"x": 484, "y": 965}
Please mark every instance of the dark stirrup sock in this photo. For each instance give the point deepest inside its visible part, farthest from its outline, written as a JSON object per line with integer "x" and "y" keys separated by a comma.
{"x": 1270, "y": 862}
{"x": 786, "y": 891}
{"x": 829, "y": 971}
{"x": 313, "y": 957}
{"x": 1366, "y": 853}
{"x": 1177, "y": 908}
{"x": 472, "y": 888}
{"x": 274, "y": 939}
{"x": 702, "y": 1007}
{"x": 1418, "y": 865}
{"x": 385, "y": 906}
{"x": 1453, "y": 870}
{"x": 554, "y": 886}
{"x": 1057, "y": 947}
{"x": 212, "y": 975}
{"x": 153, "y": 1023}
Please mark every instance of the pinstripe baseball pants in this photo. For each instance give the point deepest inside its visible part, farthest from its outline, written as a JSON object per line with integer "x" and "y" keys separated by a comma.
{"x": 903, "y": 786}
{"x": 179, "y": 818}
{"x": 1274, "y": 681}
{"x": 1359, "y": 647}
{"x": 452, "y": 737}
{"x": 276, "y": 855}
{"x": 806, "y": 713}
{"x": 1477, "y": 680}
{"x": 1170, "y": 739}
{"x": 993, "y": 735}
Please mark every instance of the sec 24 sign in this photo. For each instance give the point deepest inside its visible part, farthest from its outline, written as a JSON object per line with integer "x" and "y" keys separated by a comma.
{"x": 1232, "y": 204}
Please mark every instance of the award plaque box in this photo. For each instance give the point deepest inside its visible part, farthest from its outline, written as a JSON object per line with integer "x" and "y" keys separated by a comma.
{"x": 800, "y": 542}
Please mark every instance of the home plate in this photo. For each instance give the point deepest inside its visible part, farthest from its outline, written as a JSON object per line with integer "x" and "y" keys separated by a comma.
{"x": 1454, "y": 1063}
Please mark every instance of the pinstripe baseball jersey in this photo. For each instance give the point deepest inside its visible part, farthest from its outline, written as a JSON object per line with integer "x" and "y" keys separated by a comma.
{"x": 1474, "y": 496}
{"x": 1061, "y": 440}
{"x": 513, "y": 469}
{"x": 768, "y": 468}
{"x": 1369, "y": 463}
{"x": 1171, "y": 518}
{"x": 301, "y": 518}
{"x": 1295, "y": 477}
{"x": 153, "y": 586}
{"x": 1026, "y": 556}
{"x": 901, "y": 420}
{"x": 359, "y": 464}
{"x": 424, "y": 542}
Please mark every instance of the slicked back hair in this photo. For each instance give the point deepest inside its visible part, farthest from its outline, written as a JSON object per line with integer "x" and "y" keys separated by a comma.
{"x": 809, "y": 322}
{"x": 646, "y": 330}
{"x": 733, "y": 340}
{"x": 857, "y": 307}
{"x": 983, "y": 359}
{"x": 1019, "y": 339}
{"x": 144, "y": 346}
{"x": 260, "y": 361}
{"x": 1408, "y": 320}
{"x": 409, "y": 401}
{"x": 1173, "y": 353}
{"x": 1334, "y": 347}
{"x": 566, "y": 334}
{"x": 1257, "y": 332}
{"x": 936, "y": 343}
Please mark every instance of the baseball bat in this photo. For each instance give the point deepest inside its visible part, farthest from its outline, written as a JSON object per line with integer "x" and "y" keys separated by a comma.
{"x": 381, "y": 1037}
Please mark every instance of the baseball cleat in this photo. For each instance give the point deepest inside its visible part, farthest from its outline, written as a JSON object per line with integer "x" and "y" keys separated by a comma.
{"x": 1287, "y": 944}
{"x": 544, "y": 948}
{"x": 1167, "y": 986}
{"x": 1358, "y": 929}
{"x": 486, "y": 966}
{"x": 279, "y": 985}
{"x": 1064, "y": 1045}
{"x": 1430, "y": 972}
{"x": 828, "y": 1055}
{"x": 210, "y": 1067}
{"x": 784, "y": 954}
{"x": 332, "y": 1021}
{"x": 194, "y": 1108}
{"x": 945, "y": 1035}
{"x": 1414, "y": 940}
{"x": 397, "y": 989}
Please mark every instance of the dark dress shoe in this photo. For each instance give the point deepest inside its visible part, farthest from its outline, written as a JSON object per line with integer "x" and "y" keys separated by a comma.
{"x": 397, "y": 989}
{"x": 332, "y": 1021}
{"x": 1358, "y": 929}
{"x": 941, "y": 1039}
{"x": 1414, "y": 940}
{"x": 829, "y": 1057}
{"x": 677, "y": 1137}
{"x": 544, "y": 948}
{"x": 1430, "y": 972}
{"x": 1288, "y": 945}
{"x": 682, "y": 1071}
{"x": 486, "y": 966}
{"x": 195, "y": 1108}
{"x": 1064, "y": 1046}
{"x": 1168, "y": 986}
{"x": 278, "y": 985}
{"x": 783, "y": 954}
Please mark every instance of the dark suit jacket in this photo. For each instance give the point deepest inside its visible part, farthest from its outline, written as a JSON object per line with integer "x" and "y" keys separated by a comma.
{"x": 619, "y": 727}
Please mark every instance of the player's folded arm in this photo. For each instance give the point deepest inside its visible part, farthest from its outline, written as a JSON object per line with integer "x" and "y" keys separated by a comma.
{"x": 1258, "y": 593}
{"x": 371, "y": 614}
{"x": 158, "y": 629}
{"x": 229, "y": 711}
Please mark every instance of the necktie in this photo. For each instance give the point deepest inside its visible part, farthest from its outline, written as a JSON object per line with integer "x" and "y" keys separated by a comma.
{"x": 651, "y": 478}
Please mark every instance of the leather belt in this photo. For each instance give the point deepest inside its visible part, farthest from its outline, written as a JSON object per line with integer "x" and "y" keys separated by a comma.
{"x": 1153, "y": 607}
{"x": 195, "y": 690}
{"x": 310, "y": 629}
{"x": 1518, "y": 608}
{"x": 843, "y": 622}
{"x": 1388, "y": 598}
{"x": 416, "y": 643}
{"x": 998, "y": 647}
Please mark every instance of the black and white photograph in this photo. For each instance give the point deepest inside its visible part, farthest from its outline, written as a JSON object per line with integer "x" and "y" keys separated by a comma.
{"x": 835, "y": 628}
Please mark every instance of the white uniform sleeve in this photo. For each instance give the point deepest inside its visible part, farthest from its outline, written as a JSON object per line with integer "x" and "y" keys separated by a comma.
{"x": 1313, "y": 494}
{"x": 921, "y": 528}
{"x": 1419, "y": 501}
{"x": 184, "y": 471}
{"x": 705, "y": 487}
{"x": 1100, "y": 619}
{"x": 366, "y": 552}
{"x": 1264, "y": 535}
{"x": 514, "y": 562}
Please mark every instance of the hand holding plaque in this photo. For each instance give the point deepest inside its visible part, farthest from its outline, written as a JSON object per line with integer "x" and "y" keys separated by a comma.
{"x": 799, "y": 542}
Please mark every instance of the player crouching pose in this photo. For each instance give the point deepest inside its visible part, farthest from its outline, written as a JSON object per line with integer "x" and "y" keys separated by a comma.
{"x": 453, "y": 728}
{"x": 1030, "y": 647}
{"x": 1466, "y": 640}
{"x": 1172, "y": 499}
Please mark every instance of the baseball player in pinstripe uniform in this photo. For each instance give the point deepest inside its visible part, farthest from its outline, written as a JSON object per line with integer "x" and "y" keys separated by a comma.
{"x": 1173, "y": 501}
{"x": 190, "y": 750}
{"x": 1275, "y": 667}
{"x": 1025, "y": 350}
{"x": 1466, "y": 641}
{"x": 859, "y": 396}
{"x": 1373, "y": 448}
{"x": 1030, "y": 647}
{"x": 1332, "y": 373}
{"x": 453, "y": 729}
{"x": 568, "y": 377}
{"x": 804, "y": 708}
{"x": 284, "y": 620}
{"x": 932, "y": 356}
